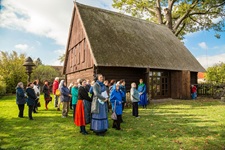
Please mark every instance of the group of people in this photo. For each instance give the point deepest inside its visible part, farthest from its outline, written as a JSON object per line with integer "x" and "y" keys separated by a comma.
{"x": 90, "y": 102}
{"x": 29, "y": 96}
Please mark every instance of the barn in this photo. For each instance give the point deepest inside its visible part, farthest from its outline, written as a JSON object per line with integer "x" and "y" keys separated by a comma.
{"x": 123, "y": 47}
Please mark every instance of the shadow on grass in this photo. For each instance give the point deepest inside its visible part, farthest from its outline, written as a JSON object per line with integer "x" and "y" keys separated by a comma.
{"x": 158, "y": 128}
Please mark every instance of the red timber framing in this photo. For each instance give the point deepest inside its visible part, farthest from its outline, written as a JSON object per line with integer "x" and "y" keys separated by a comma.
{"x": 79, "y": 58}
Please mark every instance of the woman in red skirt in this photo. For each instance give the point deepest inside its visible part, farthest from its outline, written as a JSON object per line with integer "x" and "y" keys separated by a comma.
{"x": 83, "y": 108}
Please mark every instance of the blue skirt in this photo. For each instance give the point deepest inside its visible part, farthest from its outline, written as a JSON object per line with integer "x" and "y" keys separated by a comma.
{"x": 143, "y": 99}
{"x": 99, "y": 122}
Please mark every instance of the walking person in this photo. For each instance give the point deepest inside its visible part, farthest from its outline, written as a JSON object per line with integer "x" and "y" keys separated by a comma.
{"x": 47, "y": 96}
{"x": 83, "y": 108}
{"x": 54, "y": 88}
{"x": 99, "y": 121}
{"x": 116, "y": 101}
{"x": 31, "y": 99}
{"x": 65, "y": 98}
{"x": 37, "y": 92}
{"x": 20, "y": 98}
{"x": 74, "y": 93}
{"x": 142, "y": 94}
{"x": 134, "y": 96}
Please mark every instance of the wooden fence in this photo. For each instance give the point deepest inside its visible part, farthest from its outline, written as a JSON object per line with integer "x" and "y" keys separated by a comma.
{"x": 211, "y": 90}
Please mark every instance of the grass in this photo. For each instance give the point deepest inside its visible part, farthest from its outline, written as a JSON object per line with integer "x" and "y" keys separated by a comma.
{"x": 175, "y": 125}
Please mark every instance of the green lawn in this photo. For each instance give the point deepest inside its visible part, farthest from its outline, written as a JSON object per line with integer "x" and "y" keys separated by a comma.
{"x": 175, "y": 125}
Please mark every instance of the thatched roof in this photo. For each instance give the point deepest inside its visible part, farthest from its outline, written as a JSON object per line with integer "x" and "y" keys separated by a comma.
{"x": 124, "y": 41}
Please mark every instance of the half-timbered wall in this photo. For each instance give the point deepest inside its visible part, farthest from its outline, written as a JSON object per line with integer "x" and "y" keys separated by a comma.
{"x": 79, "y": 56}
{"x": 84, "y": 74}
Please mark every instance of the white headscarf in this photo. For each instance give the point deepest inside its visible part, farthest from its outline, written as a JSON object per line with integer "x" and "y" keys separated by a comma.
{"x": 61, "y": 84}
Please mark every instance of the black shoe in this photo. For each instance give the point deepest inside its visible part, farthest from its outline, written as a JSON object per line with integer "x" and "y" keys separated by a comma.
{"x": 31, "y": 119}
{"x": 84, "y": 133}
{"x": 20, "y": 116}
{"x": 100, "y": 134}
{"x": 35, "y": 112}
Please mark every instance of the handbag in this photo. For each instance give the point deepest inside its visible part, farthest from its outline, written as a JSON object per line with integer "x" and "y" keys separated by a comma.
{"x": 95, "y": 106}
{"x": 114, "y": 116}
{"x": 57, "y": 92}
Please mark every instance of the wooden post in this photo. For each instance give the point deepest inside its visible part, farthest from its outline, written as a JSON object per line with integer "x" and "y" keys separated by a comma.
{"x": 186, "y": 84}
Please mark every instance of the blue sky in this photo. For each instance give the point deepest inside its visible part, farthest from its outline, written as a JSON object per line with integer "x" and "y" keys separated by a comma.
{"x": 40, "y": 29}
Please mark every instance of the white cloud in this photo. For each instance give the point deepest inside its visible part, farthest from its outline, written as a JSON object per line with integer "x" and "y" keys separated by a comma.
{"x": 55, "y": 63}
{"x": 21, "y": 46}
{"x": 194, "y": 34}
{"x": 60, "y": 51}
{"x": 50, "y": 18}
{"x": 216, "y": 20}
{"x": 45, "y": 18}
{"x": 203, "y": 45}
{"x": 208, "y": 61}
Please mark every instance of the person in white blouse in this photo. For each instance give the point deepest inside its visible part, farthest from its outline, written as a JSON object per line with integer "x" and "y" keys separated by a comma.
{"x": 37, "y": 92}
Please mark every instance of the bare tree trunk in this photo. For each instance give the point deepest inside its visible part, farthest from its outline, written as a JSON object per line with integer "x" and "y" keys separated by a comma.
{"x": 158, "y": 12}
{"x": 168, "y": 17}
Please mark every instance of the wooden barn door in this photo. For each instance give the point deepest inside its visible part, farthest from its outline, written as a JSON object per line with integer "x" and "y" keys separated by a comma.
{"x": 159, "y": 84}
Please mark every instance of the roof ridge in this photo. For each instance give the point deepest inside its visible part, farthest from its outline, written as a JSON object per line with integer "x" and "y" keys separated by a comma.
{"x": 120, "y": 14}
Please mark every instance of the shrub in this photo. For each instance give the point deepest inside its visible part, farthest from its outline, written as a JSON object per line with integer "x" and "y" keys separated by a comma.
{"x": 2, "y": 88}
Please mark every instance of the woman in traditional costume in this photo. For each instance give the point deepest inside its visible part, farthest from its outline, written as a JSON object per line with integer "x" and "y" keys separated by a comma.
{"x": 99, "y": 121}
{"x": 83, "y": 108}
{"x": 142, "y": 93}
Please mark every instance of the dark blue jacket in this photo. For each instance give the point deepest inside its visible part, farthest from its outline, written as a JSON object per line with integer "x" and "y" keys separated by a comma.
{"x": 65, "y": 94}
{"x": 117, "y": 96}
{"x": 31, "y": 96}
{"x": 20, "y": 96}
{"x": 123, "y": 88}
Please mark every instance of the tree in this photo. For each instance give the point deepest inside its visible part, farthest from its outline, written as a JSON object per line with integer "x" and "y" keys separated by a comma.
{"x": 38, "y": 62}
{"x": 2, "y": 87}
{"x": 43, "y": 72}
{"x": 180, "y": 16}
{"x": 216, "y": 73}
{"x": 62, "y": 58}
{"x": 12, "y": 70}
